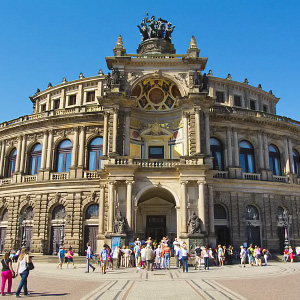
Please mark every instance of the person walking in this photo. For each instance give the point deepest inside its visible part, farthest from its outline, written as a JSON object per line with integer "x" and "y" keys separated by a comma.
{"x": 220, "y": 256}
{"x": 167, "y": 255}
{"x": 149, "y": 257}
{"x": 184, "y": 257}
{"x": 89, "y": 256}
{"x": 243, "y": 256}
{"x": 23, "y": 272}
{"x": 61, "y": 257}
{"x": 205, "y": 256}
{"x": 157, "y": 257}
{"x": 6, "y": 274}
{"x": 103, "y": 258}
{"x": 70, "y": 255}
{"x": 291, "y": 254}
{"x": 198, "y": 257}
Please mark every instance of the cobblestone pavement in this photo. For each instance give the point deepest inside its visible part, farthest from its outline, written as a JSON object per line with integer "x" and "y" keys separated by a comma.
{"x": 276, "y": 281}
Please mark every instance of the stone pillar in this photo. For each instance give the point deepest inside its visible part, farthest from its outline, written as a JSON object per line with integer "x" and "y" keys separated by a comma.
{"x": 62, "y": 103}
{"x": 49, "y": 151}
{"x": 290, "y": 147}
{"x": 185, "y": 134}
{"x": 286, "y": 157}
{"x": 236, "y": 150}
{"x": 229, "y": 146}
{"x": 80, "y": 95}
{"x": 201, "y": 204}
{"x": 197, "y": 130}
{"x": 115, "y": 127}
{"x": 81, "y": 147}
{"x": 101, "y": 210}
{"x": 23, "y": 152}
{"x": 111, "y": 205}
{"x": 266, "y": 151}
{"x": 261, "y": 151}
{"x": 75, "y": 149}
{"x": 105, "y": 133}
{"x": 183, "y": 207}
{"x": 211, "y": 210}
{"x": 127, "y": 134}
{"x": 207, "y": 133}
{"x": 2, "y": 158}
{"x": 17, "y": 169}
{"x": 44, "y": 150}
{"x": 129, "y": 204}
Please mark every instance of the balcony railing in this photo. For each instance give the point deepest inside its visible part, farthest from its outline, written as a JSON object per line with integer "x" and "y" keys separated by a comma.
{"x": 157, "y": 163}
{"x": 251, "y": 176}
{"x": 221, "y": 174}
{"x": 59, "y": 176}
{"x": 280, "y": 178}
{"x": 29, "y": 178}
{"x": 5, "y": 181}
{"x": 91, "y": 174}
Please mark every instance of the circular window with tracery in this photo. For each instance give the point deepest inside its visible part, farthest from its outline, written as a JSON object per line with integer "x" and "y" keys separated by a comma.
{"x": 156, "y": 94}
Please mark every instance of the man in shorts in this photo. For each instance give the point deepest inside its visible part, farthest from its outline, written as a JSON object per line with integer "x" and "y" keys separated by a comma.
{"x": 61, "y": 257}
{"x": 198, "y": 257}
{"x": 103, "y": 259}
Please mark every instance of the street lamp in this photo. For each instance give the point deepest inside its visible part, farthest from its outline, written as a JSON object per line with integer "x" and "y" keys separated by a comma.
{"x": 24, "y": 219}
{"x": 285, "y": 220}
{"x": 250, "y": 218}
{"x": 64, "y": 219}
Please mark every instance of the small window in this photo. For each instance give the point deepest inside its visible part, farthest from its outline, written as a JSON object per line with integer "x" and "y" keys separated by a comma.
{"x": 265, "y": 108}
{"x": 220, "y": 97}
{"x": 156, "y": 152}
{"x": 56, "y": 103}
{"x": 90, "y": 96}
{"x": 72, "y": 100}
{"x": 237, "y": 100}
{"x": 43, "y": 107}
{"x": 253, "y": 104}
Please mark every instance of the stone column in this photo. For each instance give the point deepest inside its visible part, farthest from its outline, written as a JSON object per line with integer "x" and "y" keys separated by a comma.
{"x": 44, "y": 150}
{"x": 80, "y": 95}
{"x": 127, "y": 134}
{"x": 229, "y": 146}
{"x": 75, "y": 149}
{"x": 201, "y": 204}
{"x": 111, "y": 205}
{"x": 17, "y": 169}
{"x": 101, "y": 210}
{"x": 261, "y": 151}
{"x": 23, "y": 152}
{"x": 197, "y": 130}
{"x": 115, "y": 127}
{"x": 81, "y": 147}
{"x": 290, "y": 147}
{"x": 49, "y": 151}
{"x": 2, "y": 158}
{"x": 236, "y": 148}
{"x": 129, "y": 204}
{"x": 286, "y": 157}
{"x": 185, "y": 134}
{"x": 183, "y": 207}
{"x": 207, "y": 133}
{"x": 266, "y": 151}
{"x": 105, "y": 133}
{"x": 62, "y": 103}
{"x": 211, "y": 210}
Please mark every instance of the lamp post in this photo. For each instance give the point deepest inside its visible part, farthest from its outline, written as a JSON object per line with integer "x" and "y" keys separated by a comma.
{"x": 64, "y": 219}
{"x": 250, "y": 219}
{"x": 24, "y": 219}
{"x": 285, "y": 220}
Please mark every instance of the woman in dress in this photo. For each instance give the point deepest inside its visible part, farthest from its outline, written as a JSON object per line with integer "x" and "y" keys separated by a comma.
{"x": 6, "y": 273}
{"x": 23, "y": 272}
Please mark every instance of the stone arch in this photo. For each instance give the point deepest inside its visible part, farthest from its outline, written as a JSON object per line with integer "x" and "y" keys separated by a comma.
{"x": 87, "y": 202}
{"x": 56, "y": 201}
{"x": 25, "y": 202}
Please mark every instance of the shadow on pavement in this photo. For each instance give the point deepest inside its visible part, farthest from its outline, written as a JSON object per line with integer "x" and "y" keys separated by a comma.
{"x": 48, "y": 294}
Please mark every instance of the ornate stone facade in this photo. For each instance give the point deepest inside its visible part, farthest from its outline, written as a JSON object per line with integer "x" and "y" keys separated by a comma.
{"x": 155, "y": 146}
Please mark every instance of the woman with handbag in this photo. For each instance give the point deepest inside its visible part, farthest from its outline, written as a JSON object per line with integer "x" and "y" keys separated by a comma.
{"x": 23, "y": 271}
{"x": 7, "y": 273}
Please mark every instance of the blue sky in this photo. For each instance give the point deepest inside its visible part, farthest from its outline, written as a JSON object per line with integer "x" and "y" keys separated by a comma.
{"x": 44, "y": 41}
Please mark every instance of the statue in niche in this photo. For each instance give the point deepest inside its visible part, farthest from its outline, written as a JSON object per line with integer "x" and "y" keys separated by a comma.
{"x": 168, "y": 32}
{"x": 108, "y": 81}
{"x": 204, "y": 82}
{"x": 120, "y": 223}
{"x": 194, "y": 224}
{"x": 116, "y": 76}
{"x": 196, "y": 78}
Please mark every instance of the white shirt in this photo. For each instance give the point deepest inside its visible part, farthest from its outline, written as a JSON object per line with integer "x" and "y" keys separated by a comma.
{"x": 22, "y": 265}
{"x": 184, "y": 252}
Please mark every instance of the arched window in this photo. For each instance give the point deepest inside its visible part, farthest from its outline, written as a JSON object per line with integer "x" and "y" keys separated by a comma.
{"x": 58, "y": 212}
{"x": 95, "y": 152}
{"x": 220, "y": 212}
{"x": 92, "y": 212}
{"x": 12, "y": 162}
{"x": 296, "y": 162}
{"x": 247, "y": 157}
{"x": 64, "y": 151}
{"x": 35, "y": 159}
{"x": 4, "y": 215}
{"x": 274, "y": 157}
{"x": 252, "y": 213}
{"x": 216, "y": 151}
{"x": 28, "y": 213}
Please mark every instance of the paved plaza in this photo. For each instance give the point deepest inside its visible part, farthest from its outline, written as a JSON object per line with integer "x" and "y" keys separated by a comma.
{"x": 277, "y": 281}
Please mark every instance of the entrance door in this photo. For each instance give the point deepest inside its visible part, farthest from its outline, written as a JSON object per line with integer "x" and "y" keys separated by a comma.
{"x": 156, "y": 227}
{"x": 281, "y": 238}
{"x": 2, "y": 238}
{"x": 90, "y": 235}
{"x": 56, "y": 233}
{"x": 223, "y": 236}
{"x": 254, "y": 236}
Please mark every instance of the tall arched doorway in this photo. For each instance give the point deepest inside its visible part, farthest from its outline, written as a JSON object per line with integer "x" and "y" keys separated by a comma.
{"x": 156, "y": 215}
{"x": 91, "y": 221}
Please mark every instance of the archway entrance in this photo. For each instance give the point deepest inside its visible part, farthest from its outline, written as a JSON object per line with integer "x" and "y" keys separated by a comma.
{"x": 156, "y": 215}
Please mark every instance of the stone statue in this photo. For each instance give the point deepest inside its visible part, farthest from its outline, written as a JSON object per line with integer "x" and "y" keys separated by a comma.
{"x": 194, "y": 224}
{"x": 144, "y": 31}
{"x": 168, "y": 32}
{"x": 152, "y": 27}
{"x": 204, "y": 82}
{"x": 108, "y": 81}
{"x": 120, "y": 223}
{"x": 196, "y": 78}
{"x": 161, "y": 28}
{"x": 115, "y": 76}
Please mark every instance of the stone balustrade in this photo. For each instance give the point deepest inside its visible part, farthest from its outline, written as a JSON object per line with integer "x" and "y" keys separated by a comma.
{"x": 221, "y": 174}
{"x": 277, "y": 178}
{"x": 59, "y": 176}
{"x": 5, "y": 181}
{"x": 29, "y": 178}
{"x": 91, "y": 174}
{"x": 251, "y": 176}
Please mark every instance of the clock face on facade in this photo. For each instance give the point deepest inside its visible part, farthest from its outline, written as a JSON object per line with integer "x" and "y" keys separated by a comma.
{"x": 156, "y": 94}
